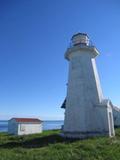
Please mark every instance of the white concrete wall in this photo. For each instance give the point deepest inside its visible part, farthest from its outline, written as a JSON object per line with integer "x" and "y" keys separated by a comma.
{"x": 82, "y": 92}
{"x": 97, "y": 80}
{"x": 116, "y": 115}
{"x": 28, "y": 128}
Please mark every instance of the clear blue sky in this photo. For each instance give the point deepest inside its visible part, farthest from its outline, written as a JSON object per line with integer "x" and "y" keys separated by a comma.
{"x": 34, "y": 35}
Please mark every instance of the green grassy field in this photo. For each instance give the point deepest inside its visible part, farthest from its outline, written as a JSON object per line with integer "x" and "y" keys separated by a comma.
{"x": 50, "y": 146}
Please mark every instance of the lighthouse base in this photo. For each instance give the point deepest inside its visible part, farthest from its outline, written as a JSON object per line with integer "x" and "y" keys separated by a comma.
{"x": 97, "y": 121}
{"x": 84, "y": 135}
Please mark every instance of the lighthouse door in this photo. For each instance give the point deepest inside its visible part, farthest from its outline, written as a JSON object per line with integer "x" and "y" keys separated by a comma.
{"x": 111, "y": 124}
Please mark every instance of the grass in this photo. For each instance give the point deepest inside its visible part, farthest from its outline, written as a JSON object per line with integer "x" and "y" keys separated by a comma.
{"x": 50, "y": 146}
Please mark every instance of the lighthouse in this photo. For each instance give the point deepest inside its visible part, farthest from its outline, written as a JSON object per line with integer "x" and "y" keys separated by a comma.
{"x": 87, "y": 112}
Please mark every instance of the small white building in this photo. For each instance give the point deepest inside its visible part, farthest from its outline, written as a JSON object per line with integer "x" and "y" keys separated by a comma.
{"x": 24, "y": 126}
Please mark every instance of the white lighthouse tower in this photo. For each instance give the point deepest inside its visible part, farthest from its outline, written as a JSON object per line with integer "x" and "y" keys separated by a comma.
{"x": 87, "y": 113}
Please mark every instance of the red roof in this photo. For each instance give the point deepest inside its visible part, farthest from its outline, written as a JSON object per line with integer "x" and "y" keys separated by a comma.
{"x": 33, "y": 120}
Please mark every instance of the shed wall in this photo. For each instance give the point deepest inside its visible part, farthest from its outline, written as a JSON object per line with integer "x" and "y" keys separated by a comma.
{"x": 28, "y": 128}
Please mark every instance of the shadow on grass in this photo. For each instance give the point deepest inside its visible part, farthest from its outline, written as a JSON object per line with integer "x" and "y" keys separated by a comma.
{"x": 38, "y": 142}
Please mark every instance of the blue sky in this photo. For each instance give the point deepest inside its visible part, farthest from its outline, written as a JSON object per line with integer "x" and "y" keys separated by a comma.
{"x": 34, "y": 35}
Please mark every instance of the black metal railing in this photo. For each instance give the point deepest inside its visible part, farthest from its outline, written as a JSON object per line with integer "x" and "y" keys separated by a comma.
{"x": 88, "y": 43}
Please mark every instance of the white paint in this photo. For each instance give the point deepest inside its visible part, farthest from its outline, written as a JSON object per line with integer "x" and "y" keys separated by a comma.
{"x": 18, "y": 128}
{"x": 87, "y": 113}
{"x": 116, "y": 115}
